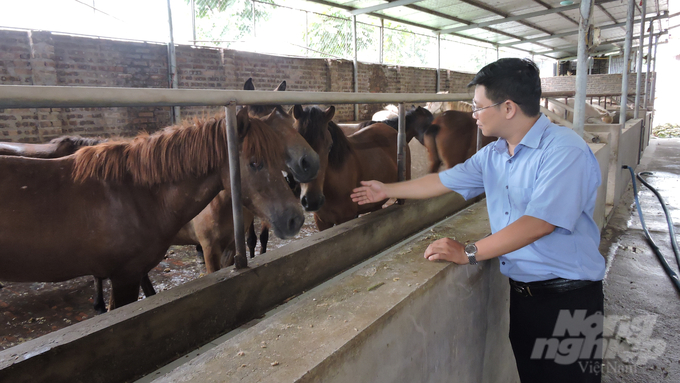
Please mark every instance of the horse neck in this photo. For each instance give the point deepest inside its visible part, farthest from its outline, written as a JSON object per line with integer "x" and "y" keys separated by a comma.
{"x": 181, "y": 201}
{"x": 342, "y": 147}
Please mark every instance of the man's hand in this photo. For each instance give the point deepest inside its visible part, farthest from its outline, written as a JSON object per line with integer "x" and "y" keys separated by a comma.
{"x": 370, "y": 192}
{"x": 447, "y": 249}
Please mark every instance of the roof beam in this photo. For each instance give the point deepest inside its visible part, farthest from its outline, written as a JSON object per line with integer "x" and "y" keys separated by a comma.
{"x": 603, "y": 43}
{"x": 559, "y": 13}
{"x": 497, "y": 11}
{"x": 511, "y": 18}
{"x": 380, "y": 7}
{"x": 563, "y": 34}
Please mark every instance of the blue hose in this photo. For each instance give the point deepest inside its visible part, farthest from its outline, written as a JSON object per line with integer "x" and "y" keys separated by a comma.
{"x": 655, "y": 248}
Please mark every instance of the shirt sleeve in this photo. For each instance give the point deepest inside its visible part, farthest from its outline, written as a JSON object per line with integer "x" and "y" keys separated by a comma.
{"x": 466, "y": 179}
{"x": 565, "y": 182}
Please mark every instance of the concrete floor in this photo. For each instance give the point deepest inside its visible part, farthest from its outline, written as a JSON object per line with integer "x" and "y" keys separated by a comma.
{"x": 641, "y": 303}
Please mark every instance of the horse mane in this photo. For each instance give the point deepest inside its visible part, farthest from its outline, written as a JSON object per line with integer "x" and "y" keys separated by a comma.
{"x": 264, "y": 110}
{"x": 191, "y": 149}
{"x": 77, "y": 141}
{"x": 313, "y": 133}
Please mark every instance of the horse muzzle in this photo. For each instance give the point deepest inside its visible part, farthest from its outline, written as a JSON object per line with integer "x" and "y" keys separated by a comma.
{"x": 305, "y": 168}
{"x": 312, "y": 203}
{"x": 288, "y": 223}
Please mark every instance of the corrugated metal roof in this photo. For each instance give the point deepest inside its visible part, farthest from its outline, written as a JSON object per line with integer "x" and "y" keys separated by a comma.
{"x": 440, "y": 15}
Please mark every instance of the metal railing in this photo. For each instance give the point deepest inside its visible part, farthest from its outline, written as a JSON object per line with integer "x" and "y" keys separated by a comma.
{"x": 26, "y": 96}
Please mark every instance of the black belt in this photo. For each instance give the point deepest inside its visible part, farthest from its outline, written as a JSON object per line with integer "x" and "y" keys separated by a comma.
{"x": 551, "y": 286}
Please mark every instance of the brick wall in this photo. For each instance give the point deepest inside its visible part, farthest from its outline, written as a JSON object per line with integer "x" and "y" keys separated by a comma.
{"x": 43, "y": 58}
{"x": 597, "y": 83}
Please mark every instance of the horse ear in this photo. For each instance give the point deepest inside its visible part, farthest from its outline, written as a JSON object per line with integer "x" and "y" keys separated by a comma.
{"x": 249, "y": 84}
{"x": 242, "y": 122}
{"x": 297, "y": 111}
{"x": 329, "y": 113}
{"x": 281, "y": 87}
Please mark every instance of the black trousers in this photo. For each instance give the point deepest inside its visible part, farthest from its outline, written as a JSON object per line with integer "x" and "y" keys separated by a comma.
{"x": 557, "y": 337}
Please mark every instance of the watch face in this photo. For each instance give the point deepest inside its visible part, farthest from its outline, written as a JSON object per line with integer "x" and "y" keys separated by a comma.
{"x": 471, "y": 249}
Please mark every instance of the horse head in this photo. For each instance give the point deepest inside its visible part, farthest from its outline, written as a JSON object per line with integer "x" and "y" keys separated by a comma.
{"x": 302, "y": 161}
{"x": 264, "y": 189}
{"x": 313, "y": 124}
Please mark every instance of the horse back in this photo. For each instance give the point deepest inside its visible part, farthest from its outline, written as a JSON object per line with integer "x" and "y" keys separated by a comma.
{"x": 454, "y": 134}
{"x": 376, "y": 150}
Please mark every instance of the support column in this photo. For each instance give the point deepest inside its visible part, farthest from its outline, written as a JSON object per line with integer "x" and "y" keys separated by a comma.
{"x": 355, "y": 64}
{"x": 439, "y": 62}
{"x": 626, "y": 59}
{"x": 173, "y": 81}
{"x": 649, "y": 64}
{"x": 240, "y": 260}
{"x": 586, "y": 11}
{"x": 638, "y": 67}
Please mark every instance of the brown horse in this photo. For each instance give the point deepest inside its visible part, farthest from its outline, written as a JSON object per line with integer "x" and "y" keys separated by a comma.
{"x": 451, "y": 139}
{"x": 417, "y": 121}
{"x": 58, "y": 147}
{"x": 213, "y": 228}
{"x": 111, "y": 210}
{"x": 370, "y": 153}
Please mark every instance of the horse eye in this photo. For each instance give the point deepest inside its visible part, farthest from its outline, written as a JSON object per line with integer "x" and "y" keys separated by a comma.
{"x": 257, "y": 165}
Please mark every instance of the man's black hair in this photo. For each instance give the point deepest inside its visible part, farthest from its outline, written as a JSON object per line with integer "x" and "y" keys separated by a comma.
{"x": 512, "y": 79}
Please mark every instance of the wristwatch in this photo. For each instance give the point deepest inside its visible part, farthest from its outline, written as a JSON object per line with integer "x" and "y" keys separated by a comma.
{"x": 471, "y": 251}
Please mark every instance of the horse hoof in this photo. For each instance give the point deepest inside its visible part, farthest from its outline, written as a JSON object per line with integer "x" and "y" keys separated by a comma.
{"x": 199, "y": 259}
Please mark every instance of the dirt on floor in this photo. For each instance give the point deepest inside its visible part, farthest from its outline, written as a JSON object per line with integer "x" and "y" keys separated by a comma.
{"x": 30, "y": 310}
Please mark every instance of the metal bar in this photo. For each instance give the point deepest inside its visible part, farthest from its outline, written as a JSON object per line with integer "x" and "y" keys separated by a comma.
{"x": 355, "y": 65}
{"x": 401, "y": 145}
{"x": 173, "y": 81}
{"x": 193, "y": 20}
{"x": 380, "y": 7}
{"x": 35, "y": 96}
{"x": 585, "y": 16}
{"x": 499, "y": 12}
{"x": 439, "y": 63}
{"x": 649, "y": 65}
{"x": 638, "y": 67}
{"x": 626, "y": 59}
{"x": 510, "y": 18}
{"x": 382, "y": 39}
{"x": 656, "y": 43}
{"x": 603, "y": 43}
{"x": 240, "y": 260}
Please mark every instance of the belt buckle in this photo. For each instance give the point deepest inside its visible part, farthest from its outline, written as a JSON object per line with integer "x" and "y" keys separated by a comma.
{"x": 524, "y": 290}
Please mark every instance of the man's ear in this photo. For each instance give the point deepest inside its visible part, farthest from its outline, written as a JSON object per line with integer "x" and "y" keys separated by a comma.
{"x": 511, "y": 109}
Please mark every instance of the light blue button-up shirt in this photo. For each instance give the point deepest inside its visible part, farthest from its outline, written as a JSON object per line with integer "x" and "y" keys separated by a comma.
{"x": 553, "y": 176}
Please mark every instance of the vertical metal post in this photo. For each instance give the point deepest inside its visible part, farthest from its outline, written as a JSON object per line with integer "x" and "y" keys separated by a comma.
{"x": 586, "y": 11}
{"x": 193, "y": 20}
{"x": 649, "y": 64}
{"x": 498, "y": 53}
{"x": 626, "y": 59}
{"x": 401, "y": 145}
{"x": 638, "y": 67}
{"x": 439, "y": 62}
{"x": 173, "y": 81}
{"x": 240, "y": 260}
{"x": 382, "y": 39}
{"x": 356, "y": 64}
{"x": 653, "y": 90}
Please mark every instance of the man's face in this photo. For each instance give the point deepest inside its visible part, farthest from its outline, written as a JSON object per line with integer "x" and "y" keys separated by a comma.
{"x": 489, "y": 119}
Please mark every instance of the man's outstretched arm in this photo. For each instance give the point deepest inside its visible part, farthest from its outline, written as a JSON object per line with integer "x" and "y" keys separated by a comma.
{"x": 422, "y": 188}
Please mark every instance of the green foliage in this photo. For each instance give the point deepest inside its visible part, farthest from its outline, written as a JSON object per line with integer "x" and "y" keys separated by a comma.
{"x": 667, "y": 130}
{"x": 227, "y": 20}
{"x": 332, "y": 34}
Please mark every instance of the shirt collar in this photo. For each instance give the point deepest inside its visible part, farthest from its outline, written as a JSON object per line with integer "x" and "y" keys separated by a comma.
{"x": 532, "y": 139}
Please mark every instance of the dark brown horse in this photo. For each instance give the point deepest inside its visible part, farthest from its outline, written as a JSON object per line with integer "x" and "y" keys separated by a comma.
{"x": 58, "y": 147}
{"x": 111, "y": 210}
{"x": 451, "y": 139}
{"x": 370, "y": 153}
{"x": 417, "y": 121}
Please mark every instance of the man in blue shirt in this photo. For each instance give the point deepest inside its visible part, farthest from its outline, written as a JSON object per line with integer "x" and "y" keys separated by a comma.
{"x": 541, "y": 182}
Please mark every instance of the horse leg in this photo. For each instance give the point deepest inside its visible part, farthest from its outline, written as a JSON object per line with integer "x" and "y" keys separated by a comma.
{"x": 99, "y": 305}
{"x": 200, "y": 258}
{"x": 264, "y": 238}
{"x": 320, "y": 224}
{"x": 147, "y": 286}
{"x": 433, "y": 155}
{"x": 212, "y": 258}
{"x": 252, "y": 239}
{"x": 123, "y": 291}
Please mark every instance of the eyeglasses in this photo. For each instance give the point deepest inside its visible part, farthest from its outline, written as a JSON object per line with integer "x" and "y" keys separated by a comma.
{"x": 475, "y": 109}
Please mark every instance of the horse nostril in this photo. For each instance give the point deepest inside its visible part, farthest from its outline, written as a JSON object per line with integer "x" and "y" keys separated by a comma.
{"x": 294, "y": 224}
{"x": 303, "y": 201}
{"x": 304, "y": 164}
{"x": 322, "y": 200}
